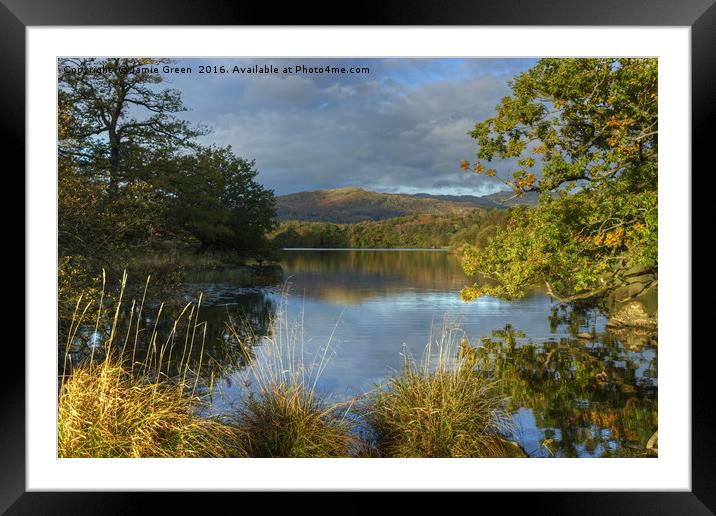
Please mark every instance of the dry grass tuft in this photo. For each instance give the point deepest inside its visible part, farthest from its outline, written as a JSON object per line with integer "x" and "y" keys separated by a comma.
{"x": 111, "y": 405}
{"x": 439, "y": 408}
{"x": 283, "y": 415}
{"x": 288, "y": 421}
{"x": 106, "y": 411}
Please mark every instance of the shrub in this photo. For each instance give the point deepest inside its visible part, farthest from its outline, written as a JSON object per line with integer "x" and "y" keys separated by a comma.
{"x": 112, "y": 406}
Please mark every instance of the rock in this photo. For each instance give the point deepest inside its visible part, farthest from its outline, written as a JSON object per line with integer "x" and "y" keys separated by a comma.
{"x": 584, "y": 335}
{"x": 633, "y": 315}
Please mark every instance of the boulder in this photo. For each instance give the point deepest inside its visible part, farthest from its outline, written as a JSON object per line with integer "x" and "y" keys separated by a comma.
{"x": 633, "y": 315}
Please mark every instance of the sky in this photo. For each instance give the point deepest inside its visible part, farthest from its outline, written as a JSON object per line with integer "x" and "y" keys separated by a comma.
{"x": 401, "y": 128}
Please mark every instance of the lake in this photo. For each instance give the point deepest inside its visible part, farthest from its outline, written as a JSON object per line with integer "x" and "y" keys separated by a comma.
{"x": 569, "y": 396}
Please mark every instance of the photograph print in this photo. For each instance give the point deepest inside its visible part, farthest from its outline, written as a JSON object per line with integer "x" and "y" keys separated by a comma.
{"x": 369, "y": 258}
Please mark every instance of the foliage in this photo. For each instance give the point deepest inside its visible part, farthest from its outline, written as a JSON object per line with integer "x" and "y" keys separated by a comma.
{"x": 104, "y": 229}
{"x": 583, "y": 133}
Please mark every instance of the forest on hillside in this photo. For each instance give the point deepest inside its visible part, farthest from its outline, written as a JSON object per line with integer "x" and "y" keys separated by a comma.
{"x": 423, "y": 231}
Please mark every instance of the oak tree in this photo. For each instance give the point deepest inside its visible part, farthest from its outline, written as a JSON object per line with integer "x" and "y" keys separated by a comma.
{"x": 582, "y": 133}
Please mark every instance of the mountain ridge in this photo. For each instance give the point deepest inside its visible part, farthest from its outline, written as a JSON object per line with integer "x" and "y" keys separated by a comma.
{"x": 354, "y": 204}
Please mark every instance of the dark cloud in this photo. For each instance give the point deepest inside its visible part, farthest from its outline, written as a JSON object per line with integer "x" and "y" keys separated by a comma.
{"x": 401, "y": 128}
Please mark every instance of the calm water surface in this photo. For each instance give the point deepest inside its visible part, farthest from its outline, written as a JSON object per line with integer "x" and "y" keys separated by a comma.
{"x": 569, "y": 396}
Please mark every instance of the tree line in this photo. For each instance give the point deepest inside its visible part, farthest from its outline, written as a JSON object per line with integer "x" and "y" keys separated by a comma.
{"x": 427, "y": 231}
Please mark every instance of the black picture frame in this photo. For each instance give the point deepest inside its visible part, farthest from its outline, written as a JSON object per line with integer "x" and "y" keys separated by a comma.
{"x": 700, "y": 15}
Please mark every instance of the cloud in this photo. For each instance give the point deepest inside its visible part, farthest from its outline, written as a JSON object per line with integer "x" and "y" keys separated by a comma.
{"x": 401, "y": 128}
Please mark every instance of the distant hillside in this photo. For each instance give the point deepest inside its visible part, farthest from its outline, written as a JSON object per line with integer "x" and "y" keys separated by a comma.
{"x": 495, "y": 200}
{"x": 349, "y": 205}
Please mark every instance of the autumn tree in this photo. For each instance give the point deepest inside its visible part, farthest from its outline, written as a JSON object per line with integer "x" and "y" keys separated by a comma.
{"x": 105, "y": 213}
{"x": 582, "y": 133}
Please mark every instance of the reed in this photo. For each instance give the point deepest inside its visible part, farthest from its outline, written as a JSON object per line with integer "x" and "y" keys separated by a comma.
{"x": 282, "y": 413}
{"x": 110, "y": 405}
{"x": 140, "y": 394}
{"x": 439, "y": 407}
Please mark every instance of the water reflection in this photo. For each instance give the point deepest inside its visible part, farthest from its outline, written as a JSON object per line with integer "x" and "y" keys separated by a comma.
{"x": 571, "y": 397}
{"x": 211, "y": 339}
{"x": 574, "y": 398}
{"x": 350, "y": 277}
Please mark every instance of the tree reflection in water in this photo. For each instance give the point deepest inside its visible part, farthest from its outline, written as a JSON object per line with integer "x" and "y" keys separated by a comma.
{"x": 595, "y": 397}
{"x": 210, "y": 339}
{"x": 232, "y": 331}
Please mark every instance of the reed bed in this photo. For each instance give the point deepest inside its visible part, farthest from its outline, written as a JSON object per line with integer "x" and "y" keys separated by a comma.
{"x": 141, "y": 394}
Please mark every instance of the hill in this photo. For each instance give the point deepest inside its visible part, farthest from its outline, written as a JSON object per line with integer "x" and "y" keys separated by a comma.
{"x": 472, "y": 200}
{"x": 495, "y": 200}
{"x": 352, "y": 204}
{"x": 349, "y": 205}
